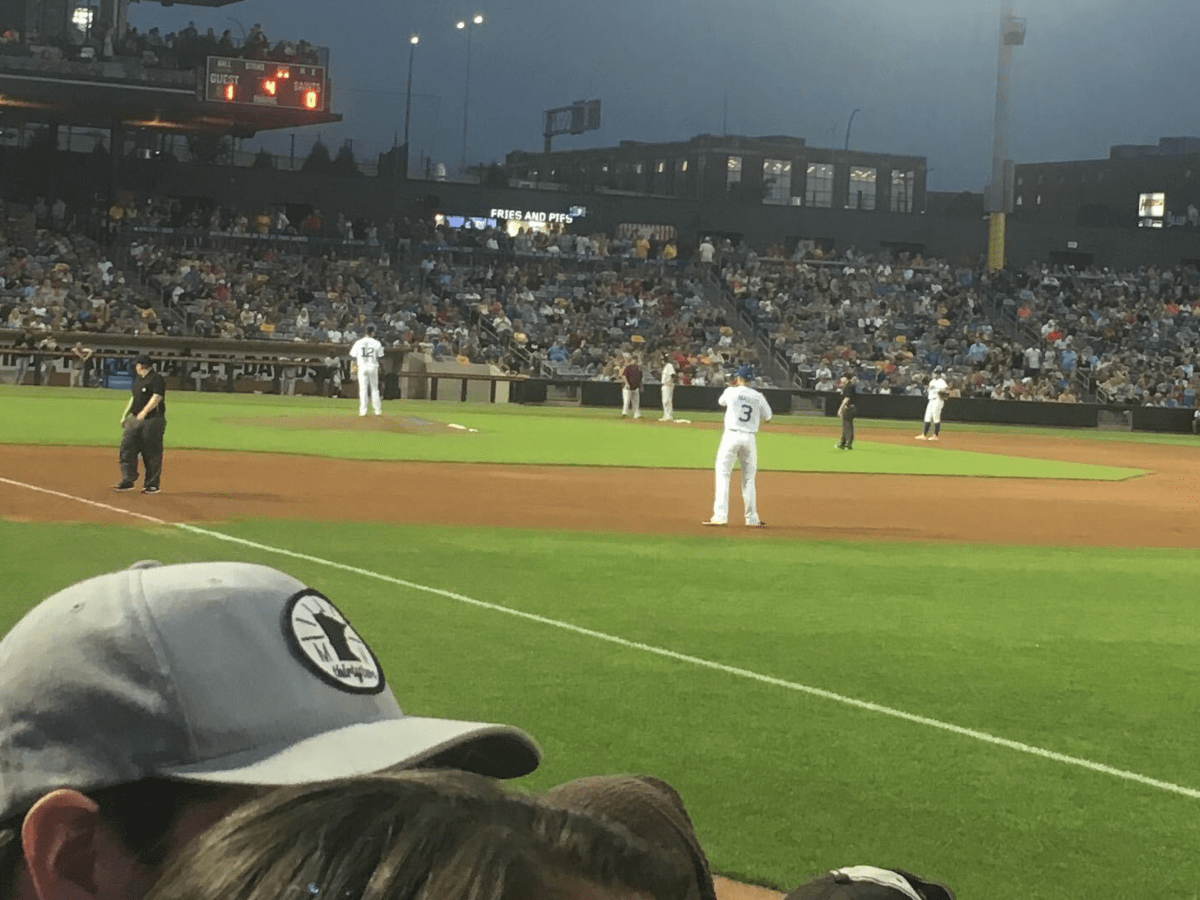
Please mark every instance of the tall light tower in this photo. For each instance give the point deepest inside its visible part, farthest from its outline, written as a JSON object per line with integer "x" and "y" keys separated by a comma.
{"x": 468, "y": 25}
{"x": 999, "y": 193}
{"x": 412, "y": 49}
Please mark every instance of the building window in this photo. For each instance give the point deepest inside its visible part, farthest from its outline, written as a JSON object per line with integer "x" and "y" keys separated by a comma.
{"x": 733, "y": 171}
{"x": 902, "y": 190}
{"x": 681, "y": 186}
{"x": 660, "y": 176}
{"x": 777, "y": 181}
{"x": 862, "y": 188}
{"x": 819, "y": 189}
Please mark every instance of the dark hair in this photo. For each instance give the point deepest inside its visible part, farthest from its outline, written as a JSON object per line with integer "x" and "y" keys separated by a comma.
{"x": 141, "y": 814}
{"x": 397, "y": 836}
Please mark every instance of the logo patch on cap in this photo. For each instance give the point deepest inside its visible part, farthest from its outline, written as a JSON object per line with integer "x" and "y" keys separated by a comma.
{"x": 326, "y": 643}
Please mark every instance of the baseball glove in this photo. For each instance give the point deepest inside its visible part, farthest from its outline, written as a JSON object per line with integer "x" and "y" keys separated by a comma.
{"x": 945, "y": 395}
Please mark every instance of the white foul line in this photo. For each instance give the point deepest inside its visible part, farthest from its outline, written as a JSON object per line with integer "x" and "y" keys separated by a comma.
{"x": 656, "y": 651}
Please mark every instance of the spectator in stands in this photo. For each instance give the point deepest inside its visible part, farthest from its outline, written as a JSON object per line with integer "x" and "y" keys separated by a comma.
{"x": 257, "y": 44}
{"x": 106, "y": 669}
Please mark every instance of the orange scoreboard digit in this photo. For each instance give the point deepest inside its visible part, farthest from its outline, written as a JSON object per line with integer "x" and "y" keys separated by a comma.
{"x": 265, "y": 83}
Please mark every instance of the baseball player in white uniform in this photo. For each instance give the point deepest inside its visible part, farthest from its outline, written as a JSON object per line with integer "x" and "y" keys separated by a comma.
{"x": 936, "y": 395}
{"x": 745, "y": 410}
{"x": 668, "y": 390}
{"x": 365, "y": 356}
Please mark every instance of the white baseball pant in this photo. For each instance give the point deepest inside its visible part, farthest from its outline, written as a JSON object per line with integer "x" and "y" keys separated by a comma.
{"x": 933, "y": 410}
{"x": 631, "y": 401}
{"x": 737, "y": 446}
{"x": 368, "y": 383}
{"x": 668, "y": 401}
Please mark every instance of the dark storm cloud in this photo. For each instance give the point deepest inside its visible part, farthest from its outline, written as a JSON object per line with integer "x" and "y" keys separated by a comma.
{"x": 922, "y": 74}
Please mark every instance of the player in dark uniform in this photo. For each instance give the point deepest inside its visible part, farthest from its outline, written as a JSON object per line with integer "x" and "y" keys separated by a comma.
{"x": 847, "y": 412}
{"x": 145, "y": 422}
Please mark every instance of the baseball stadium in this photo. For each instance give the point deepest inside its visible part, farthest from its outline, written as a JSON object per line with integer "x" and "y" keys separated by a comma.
{"x": 974, "y": 659}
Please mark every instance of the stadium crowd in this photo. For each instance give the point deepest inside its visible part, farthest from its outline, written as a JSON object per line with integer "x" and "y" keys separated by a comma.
{"x": 574, "y": 305}
{"x": 1031, "y": 334}
{"x": 186, "y": 49}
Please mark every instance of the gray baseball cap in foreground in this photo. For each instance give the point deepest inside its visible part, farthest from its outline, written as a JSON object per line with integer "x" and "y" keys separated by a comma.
{"x": 225, "y": 673}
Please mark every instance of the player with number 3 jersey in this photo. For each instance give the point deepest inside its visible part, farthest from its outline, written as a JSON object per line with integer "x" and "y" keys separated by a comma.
{"x": 745, "y": 410}
{"x": 365, "y": 356}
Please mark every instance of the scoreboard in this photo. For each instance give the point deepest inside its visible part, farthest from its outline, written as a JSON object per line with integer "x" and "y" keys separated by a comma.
{"x": 265, "y": 83}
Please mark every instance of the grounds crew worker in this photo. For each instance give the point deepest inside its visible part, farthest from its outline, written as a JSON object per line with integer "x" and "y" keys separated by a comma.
{"x": 144, "y": 422}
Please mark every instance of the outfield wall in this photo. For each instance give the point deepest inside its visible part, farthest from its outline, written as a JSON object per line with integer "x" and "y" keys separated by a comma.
{"x": 691, "y": 398}
{"x": 269, "y": 365}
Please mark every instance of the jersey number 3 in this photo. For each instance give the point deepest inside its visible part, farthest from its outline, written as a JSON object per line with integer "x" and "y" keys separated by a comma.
{"x": 747, "y": 413}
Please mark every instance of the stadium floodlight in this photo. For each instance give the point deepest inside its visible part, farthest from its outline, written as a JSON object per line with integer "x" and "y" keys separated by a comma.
{"x": 468, "y": 26}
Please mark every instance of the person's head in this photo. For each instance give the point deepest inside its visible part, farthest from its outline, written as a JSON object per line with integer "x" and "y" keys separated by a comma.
{"x": 416, "y": 836}
{"x": 651, "y": 810}
{"x": 137, "y": 708}
{"x": 371, "y": 330}
{"x": 142, "y": 365}
{"x": 743, "y": 375}
{"x": 870, "y": 883}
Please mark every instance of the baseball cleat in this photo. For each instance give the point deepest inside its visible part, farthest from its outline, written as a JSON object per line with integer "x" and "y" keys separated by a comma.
{"x": 124, "y": 486}
{"x": 149, "y": 490}
{"x": 756, "y": 524}
{"x": 921, "y": 437}
{"x": 932, "y": 437}
{"x": 711, "y": 522}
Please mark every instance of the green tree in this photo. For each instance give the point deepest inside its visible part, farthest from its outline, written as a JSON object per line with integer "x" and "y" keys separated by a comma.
{"x": 318, "y": 159}
{"x": 345, "y": 164}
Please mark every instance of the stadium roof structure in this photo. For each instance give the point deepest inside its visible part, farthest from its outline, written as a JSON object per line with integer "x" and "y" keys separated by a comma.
{"x": 212, "y": 3}
{"x": 108, "y": 94}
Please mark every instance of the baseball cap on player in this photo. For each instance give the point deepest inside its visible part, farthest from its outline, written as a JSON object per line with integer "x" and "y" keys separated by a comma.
{"x": 870, "y": 883}
{"x": 224, "y": 673}
{"x": 744, "y": 372}
{"x": 144, "y": 360}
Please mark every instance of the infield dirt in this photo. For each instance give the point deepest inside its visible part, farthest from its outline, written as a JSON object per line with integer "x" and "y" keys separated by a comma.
{"x": 1156, "y": 510}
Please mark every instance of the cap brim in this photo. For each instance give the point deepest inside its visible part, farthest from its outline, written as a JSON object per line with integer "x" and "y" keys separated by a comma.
{"x": 499, "y": 751}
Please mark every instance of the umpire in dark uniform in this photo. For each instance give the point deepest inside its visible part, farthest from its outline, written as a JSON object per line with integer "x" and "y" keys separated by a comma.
{"x": 144, "y": 422}
{"x": 847, "y": 412}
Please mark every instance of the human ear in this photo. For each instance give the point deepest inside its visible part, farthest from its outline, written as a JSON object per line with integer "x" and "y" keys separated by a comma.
{"x": 71, "y": 854}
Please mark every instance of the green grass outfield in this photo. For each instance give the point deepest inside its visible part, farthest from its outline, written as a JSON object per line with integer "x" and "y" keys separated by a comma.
{"x": 1093, "y": 655}
{"x": 505, "y": 434}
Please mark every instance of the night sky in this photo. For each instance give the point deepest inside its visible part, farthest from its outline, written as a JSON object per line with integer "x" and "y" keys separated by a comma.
{"x": 1092, "y": 73}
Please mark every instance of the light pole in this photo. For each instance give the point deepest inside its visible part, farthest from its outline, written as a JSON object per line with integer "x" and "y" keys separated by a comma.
{"x": 412, "y": 48}
{"x": 848, "y": 124}
{"x": 469, "y": 25}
